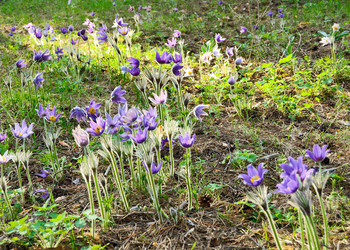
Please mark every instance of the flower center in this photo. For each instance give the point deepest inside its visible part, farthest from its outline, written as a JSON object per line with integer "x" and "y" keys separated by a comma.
{"x": 20, "y": 134}
{"x": 52, "y": 118}
{"x": 3, "y": 159}
{"x": 124, "y": 32}
{"x": 254, "y": 178}
{"x": 92, "y": 111}
{"x": 98, "y": 129}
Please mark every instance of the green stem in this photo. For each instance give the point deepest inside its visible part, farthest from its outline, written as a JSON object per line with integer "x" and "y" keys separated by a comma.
{"x": 156, "y": 204}
{"x": 132, "y": 170}
{"x": 88, "y": 183}
{"x": 171, "y": 156}
{"x": 325, "y": 219}
{"x": 273, "y": 227}
{"x": 313, "y": 232}
{"x": 8, "y": 204}
{"x": 188, "y": 178}
{"x": 99, "y": 198}
{"x": 301, "y": 223}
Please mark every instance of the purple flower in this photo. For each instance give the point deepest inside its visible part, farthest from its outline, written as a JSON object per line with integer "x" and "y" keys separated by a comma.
{"x": 73, "y": 42}
{"x": 289, "y": 185}
{"x": 280, "y": 10}
{"x": 81, "y": 137}
{"x": 103, "y": 37}
{"x": 219, "y": 38}
{"x": 113, "y": 124}
{"x": 124, "y": 69}
{"x": 243, "y": 29}
{"x": 44, "y": 173}
{"x": 103, "y": 28}
{"x": 64, "y": 30}
{"x": 140, "y": 7}
{"x": 59, "y": 51}
{"x": 154, "y": 168}
{"x": 172, "y": 42}
{"x": 131, "y": 9}
{"x": 45, "y": 193}
{"x": 270, "y": 13}
{"x": 161, "y": 99}
{"x": 318, "y": 154}
{"x": 38, "y": 33}
{"x": 176, "y": 34}
{"x": 5, "y": 158}
{"x": 176, "y": 69}
{"x": 92, "y": 109}
{"x": 70, "y": 28}
{"x": 229, "y": 51}
{"x": 134, "y": 62}
{"x": 177, "y": 58}
{"x": 120, "y": 22}
{"x": 92, "y": 13}
{"x": 198, "y": 111}
{"x": 41, "y": 57}
{"x": 187, "y": 141}
{"x": 220, "y": 2}
{"x": 123, "y": 31}
{"x": 21, "y": 64}
{"x": 256, "y": 27}
{"x": 150, "y": 123}
{"x": 135, "y": 71}
{"x": 3, "y": 136}
{"x": 239, "y": 61}
{"x": 165, "y": 58}
{"x": 117, "y": 95}
{"x": 130, "y": 116}
{"x": 255, "y": 176}
{"x": 78, "y": 113}
{"x": 232, "y": 80}
{"x": 175, "y": 9}
{"x": 281, "y": 15}
{"x": 23, "y": 131}
{"x": 82, "y": 34}
{"x": 11, "y": 33}
{"x": 13, "y": 28}
{"x": 97, "y": 128}
{"x": 113, "y": 3}
{"x": 42, "y": 112}
{"x": 140, "y": 136}
{"x": 53, "y": 116}
{"x": 38, "y": 80}
{"x": 296, "y": 166}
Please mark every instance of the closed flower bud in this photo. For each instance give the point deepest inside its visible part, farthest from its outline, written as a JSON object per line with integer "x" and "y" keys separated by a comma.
{"x": 81, "y": 137}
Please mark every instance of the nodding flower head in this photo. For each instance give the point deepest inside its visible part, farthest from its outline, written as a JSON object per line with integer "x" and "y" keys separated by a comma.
{"x": 232, "y": 80}
{"x": 44, "y": 173}
{"x": 254, "y": 177}
{"x": 78, "y": 113}
{"x": 38, "y": 80}
{"x": 219, "y": 38}
{"x": 243, "y": 29}
{"x": 45, "y": 193}
{"x": 81, "y": 137}
{"x": 198, "y": 111}
{"x": 154, "y": 168}
{"x": 41, "y": 56}
{"x": 21, "y": 64}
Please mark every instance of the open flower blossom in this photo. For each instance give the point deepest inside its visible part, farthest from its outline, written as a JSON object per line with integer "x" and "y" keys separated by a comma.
{"x": 44, "y": 173}
{"x": 176, "y": 34}
{"x": 140, "y": 136}
{"x": 23, "y": 131}
{"x": 327, "y": 40}
{"x": 154, "y": 168}
{"x": 165, "y": 58}
{"x": 289, "y": 185}
{"x": 134, "y": 62}
{"x": 73, "y": 42}
{"x": 78, "y": 113}
{"x": 336, "y": 27}
{"x": 45, "y": 193}
{"x": 113, "y": 124}
{"x": 64, "y": 30}
{"x": 161, "y": 99}
{"x": 97, "y": 128}
{"x": 53, "y": 116}
{"x": 318, "y": 154}
{"x": 187, "y": 141}
{"x": 5, "y": 158}
{"x": 38, "y": 80}
{"x": 171, "y": 43}
{"x": 270, "y": 13}
{"x": 206, "y": 57}
{"x": 229, "y": 51}
{"x": 42, "y": 112}
{"x": 297, "y": 167}
{"x": 254, "y": 177}
{"x": 243, "y": 30}
{"x": 21, "y": 64}
{"x": 198, "y": 111}
{"x": 103, "y": 38}
{"x": 119, "y": 21}
{"x": 124, "y": 30}
{"x": 81, "y": 137}
{"x": 177, "y": 58}
{"x": 117, "y": 95}
{"x": 188, "y": 72}
{"x": 92, "y": 109}
{"x": 3, "y": 136}
{"x": 41, "y": 56}
{"x": 219, "y": 38}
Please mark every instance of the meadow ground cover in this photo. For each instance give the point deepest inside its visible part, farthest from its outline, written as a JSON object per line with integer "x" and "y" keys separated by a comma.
{"x": 175, "y": 124}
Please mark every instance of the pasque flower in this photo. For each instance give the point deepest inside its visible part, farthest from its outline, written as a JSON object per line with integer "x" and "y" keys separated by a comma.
{"x": 219, "y": 38}
{"x": 154, "y": 168}
{"x": 38, "y": 33}
{"x": 198, "y": 111}
{"x": 289, "y": 185}
{"x": 3, "y": 136}
{"x": 97, "y": 128}
{"x": 64, "y": 30}
{"x": 38, "y": 80}
{"x": 232, "y": 80}
{"x": 45, "y": 193}
{"x": 161, "y": 99}
{"x": 23, "y": 131}
{"x": 103, "y": 37}
{"x": 44, "y": 173}
{"x": 78, "y": 113}
{"x": 21, "y": 64}
{"x": 172, "y": 42}
{"x": 177, "y": 58}
{"x": 124, "y": 30}
{"x": 176, "y": 69}
{"x": 318, "y": 154}
{"x": 82, "y": 34}
{"x": 187, "y": 141}
{"x": 120, "y": 22}
{"x": 73, "y": 42}
{"x": 70, "y": 28}
{"x": 255, "y": 176}
{"x": 239, "y": 61}
{"x": 53, "y": 116}
{"x": 42, "y": 112}
{"x": 297, "y": 167}
{"x": 113, "y": 124}
{"x": 92, "y": 109}
{"x": 81, "y": 137}
{"x": 5, "y": 158}
{"x": 270, "y": 13}
{"x": 176, "y": 34}
{"x": 117, "y": 95}
{"x": 135, "y": 71}
{"x": 165, "y": 58}
{"x": 140, "y": 136}
{"x": 134, "y": 62}
{"x": 243, "y": 29}
{"x": 41, "y": 57}
{"x": 229, "y": 51}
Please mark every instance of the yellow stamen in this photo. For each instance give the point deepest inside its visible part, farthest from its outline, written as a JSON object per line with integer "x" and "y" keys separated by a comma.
{"x": 3, "y": 159}
{"x": 52, "y": 118}
{"x": 98, "y": 129}
{"x": 124, "y": 32}
{"x": 92, "y": 111}
{"x": 20, "y": 134}
{"x": 254, "y": 178}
